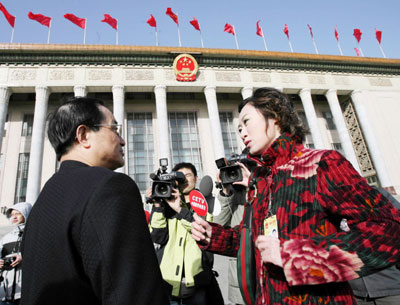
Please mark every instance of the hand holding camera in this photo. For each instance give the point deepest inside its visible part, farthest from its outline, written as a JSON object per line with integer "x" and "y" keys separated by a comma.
{"x": 233, "y": 171}
{"x": 10, "y": 261}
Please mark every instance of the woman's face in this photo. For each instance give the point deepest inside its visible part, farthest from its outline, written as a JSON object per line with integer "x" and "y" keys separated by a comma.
{"x": 16, "y": 217}
{"x": 257, "y": 133}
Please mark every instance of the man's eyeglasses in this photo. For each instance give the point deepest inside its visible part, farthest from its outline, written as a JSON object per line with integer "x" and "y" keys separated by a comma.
{"x": 117, "y": 128}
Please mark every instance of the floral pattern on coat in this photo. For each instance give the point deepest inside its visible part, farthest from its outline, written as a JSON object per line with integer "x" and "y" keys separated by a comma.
{"x": 311, "y": 192}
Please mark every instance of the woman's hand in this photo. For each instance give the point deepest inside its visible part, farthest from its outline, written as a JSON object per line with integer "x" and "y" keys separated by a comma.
{"x": 245, "y": 173}
{"x": 270, "y": 249}
{"x": 201, "y": 230}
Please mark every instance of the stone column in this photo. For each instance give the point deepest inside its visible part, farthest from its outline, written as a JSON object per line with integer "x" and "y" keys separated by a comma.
{"x": 160, "y": 92}
{"x": 213, "y": 114}
{"x": 305, "y": 95}
{"x": 37, "y": 142}
{"x": 119, "y": 113}
{"x": 5, "y": 94}
{"x": 373, "y": 147}
{"x": 247, "y": 92}
{"x": 80, "y": 90}
{"x": 342, "y": 130}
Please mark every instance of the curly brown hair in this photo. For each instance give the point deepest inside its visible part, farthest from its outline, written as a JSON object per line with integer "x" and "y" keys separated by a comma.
{"x": 277, "y": 105}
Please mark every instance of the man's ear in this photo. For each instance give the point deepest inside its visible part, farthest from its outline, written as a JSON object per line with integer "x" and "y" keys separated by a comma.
{"x": 82, "y": 135}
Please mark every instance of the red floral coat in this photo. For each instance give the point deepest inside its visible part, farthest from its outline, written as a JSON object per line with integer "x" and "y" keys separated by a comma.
{"x": 311, "y": 192}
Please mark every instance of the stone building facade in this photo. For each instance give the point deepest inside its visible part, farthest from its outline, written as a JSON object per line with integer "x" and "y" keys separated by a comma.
{"x": 350, "y": 104}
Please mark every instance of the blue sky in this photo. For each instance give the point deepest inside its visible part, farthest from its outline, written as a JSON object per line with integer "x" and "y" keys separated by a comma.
{"x": 322, "y": 15}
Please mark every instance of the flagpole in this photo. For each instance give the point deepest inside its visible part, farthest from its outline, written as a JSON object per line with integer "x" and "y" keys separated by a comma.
{"x": 340, "y": 49}
{"x": 265, "y": 44}
{"x": 290, "y": 45}
{"x": 84, "y": 32}
{"x": 12, "y": 31}
{"x": 116, "y": 35}
{"x": 201, "y": 37}
{"x": 383, "y": 53}
{"x": 48, "y": 35}
{"x": 156, "y": 37}
{"x": 237, "y": 44}
{"x": 362, "y": 54}
{"x": 179, "y": 35}
{"x": 315, "y": 46}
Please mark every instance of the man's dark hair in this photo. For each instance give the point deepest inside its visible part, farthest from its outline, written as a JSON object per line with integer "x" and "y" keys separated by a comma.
{"x": 64, "y": 120}
{"x": 185, "y": 165}
{"x": 275, "y": 104}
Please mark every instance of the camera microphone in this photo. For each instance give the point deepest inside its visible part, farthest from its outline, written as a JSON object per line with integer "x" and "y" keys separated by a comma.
{"x": 206, "y": 186}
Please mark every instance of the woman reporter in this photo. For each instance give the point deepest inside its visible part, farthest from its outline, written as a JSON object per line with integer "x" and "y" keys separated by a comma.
{"x": 332, "y": 226}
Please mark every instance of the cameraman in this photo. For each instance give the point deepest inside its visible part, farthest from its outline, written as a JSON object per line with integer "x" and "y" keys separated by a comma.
{"x": 186, "y": 269}
{"x": 232, "y": 198}
{"x": 10, "y": 262}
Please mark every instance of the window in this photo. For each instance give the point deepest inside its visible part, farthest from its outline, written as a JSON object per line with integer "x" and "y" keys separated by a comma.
{"x": 303, "y": 118}
{"x": 140, "y": 143}
{"x": 228, "y": 133}
{"x": 27, "y": 125}
{"x": 329, "y": 120}
{"x": 185, "y": 142}
{"x": 338, "y": 147}
{"x": 22, "y": 177}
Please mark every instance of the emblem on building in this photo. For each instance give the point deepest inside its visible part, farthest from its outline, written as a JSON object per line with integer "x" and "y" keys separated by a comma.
{"x": 185, "y": 68}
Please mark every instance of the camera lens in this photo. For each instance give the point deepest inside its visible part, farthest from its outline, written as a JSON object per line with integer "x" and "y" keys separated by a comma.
{"x": 162, "y": 189}
{"x": 232, "y": 174}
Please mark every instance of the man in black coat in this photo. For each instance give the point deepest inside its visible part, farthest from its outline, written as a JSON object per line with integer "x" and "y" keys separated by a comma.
{"x": 87, "y": 241}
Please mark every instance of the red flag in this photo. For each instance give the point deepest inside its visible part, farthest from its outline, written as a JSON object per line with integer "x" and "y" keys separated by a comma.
{"x": 229, "y": 29}
{"x": 259, "y": 29}
{"x": 357, "y": 51}
{"x": 173, "y": 16}
{"x": 311, "y": 33}
{"x": 286, "y": 31}
{"x": 357, "y": 34}
{"x": 81, "y": 22}
{"x": 152, "y": 21}
{"x": 195, "y": 24}
{"x": 378, "y": 35}
{"x": 111, "y": 21}
{"x": 10, "y": 18}
{"x": 336, "y": 33}
{"x": 44, "y": 20}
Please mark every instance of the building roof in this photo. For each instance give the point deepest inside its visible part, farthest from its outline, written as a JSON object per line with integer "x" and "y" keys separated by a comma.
{"x": 102, "y": 55}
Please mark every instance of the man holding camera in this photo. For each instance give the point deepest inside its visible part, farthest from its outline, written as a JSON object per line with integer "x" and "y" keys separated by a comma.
{"x": 10, "y": 248}
{"x": 87, "y": 241}
{"x": 185, "y": 268}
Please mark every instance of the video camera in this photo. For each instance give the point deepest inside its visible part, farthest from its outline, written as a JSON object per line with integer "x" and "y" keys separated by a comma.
{"x": 230, "y": 172}
{"x": 8, "y": 260}
{"x": 164, "y": 182}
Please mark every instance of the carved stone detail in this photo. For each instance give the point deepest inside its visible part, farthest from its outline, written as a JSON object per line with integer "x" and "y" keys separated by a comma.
{"x": 169, "y": 75}
{"x": 341, "y": 80}
{"x": 316, "y": 79}
{"x": 61, "y": 74}
{"x": 289, "y": 78}
{"x": 364, "y": 159}
{"x": 139, "y": 75}
{"x": 227, "y": 77}
{"x": 20, "y": 74}
{"x": 260, "y": 77}
{"x": 100, "y": 75}
{"x": 381, "y": 82}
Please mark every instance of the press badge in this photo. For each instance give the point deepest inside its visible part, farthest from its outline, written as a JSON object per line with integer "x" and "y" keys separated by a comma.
{"x": 271, "y": 226}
